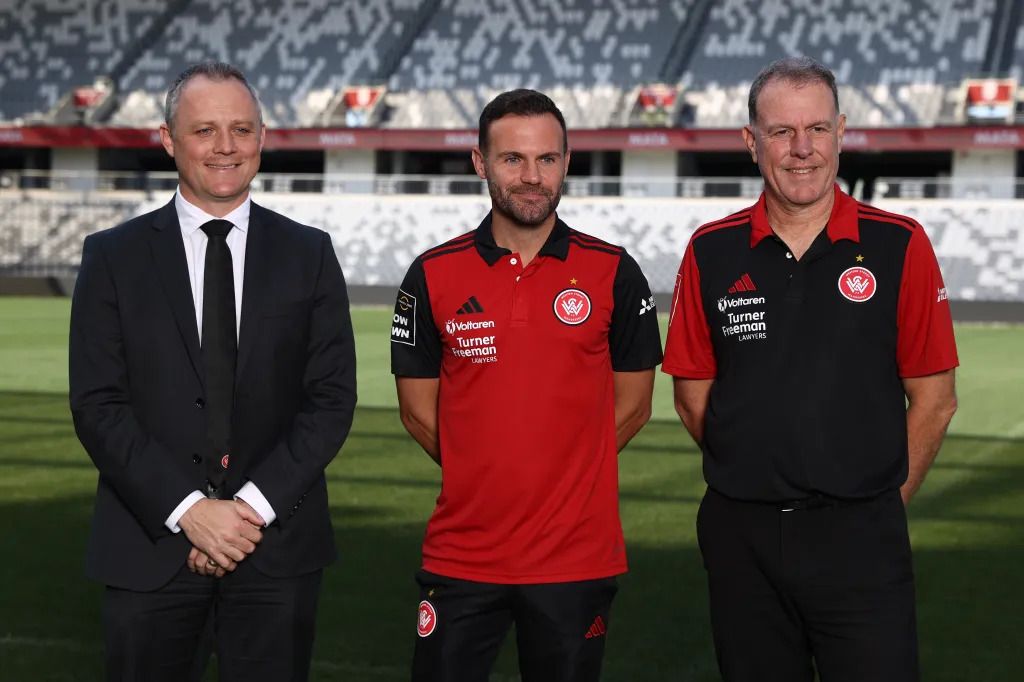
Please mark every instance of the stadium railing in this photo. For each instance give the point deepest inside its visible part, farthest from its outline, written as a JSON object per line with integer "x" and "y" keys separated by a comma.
{"x": 388, "y": 185}
{"x": 948, "y": 188}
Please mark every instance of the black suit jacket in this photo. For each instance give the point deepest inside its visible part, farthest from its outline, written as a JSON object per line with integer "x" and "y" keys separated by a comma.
{"x": 137, "y": 393}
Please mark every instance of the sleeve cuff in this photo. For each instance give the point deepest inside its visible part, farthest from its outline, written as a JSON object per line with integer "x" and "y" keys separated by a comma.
{"x": 179, "y": 511}
{"x": 252, "y": 496}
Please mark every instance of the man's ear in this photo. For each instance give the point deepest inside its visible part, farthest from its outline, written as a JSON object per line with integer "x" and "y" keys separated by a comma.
{"x": 750, "y": 141}
{"x": 478, "y": 163}
{"x": 166, "y": 140}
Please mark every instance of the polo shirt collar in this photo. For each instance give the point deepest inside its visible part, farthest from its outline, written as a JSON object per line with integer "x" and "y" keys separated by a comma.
{"x": 557, "y": 243}
{"x": 842, "y": 222}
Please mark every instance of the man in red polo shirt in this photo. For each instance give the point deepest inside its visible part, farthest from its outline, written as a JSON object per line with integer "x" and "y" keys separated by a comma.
{"x": 812, "y": 348}
{"x": 524, "y": 355}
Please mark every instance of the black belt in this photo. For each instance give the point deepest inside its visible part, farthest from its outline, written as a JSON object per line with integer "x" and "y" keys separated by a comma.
{"x": 823, "y": 502}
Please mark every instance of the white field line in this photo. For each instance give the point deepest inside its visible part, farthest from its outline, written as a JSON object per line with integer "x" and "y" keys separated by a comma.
{"x": 362, "y": 670}
{"x": 45, "y": 643}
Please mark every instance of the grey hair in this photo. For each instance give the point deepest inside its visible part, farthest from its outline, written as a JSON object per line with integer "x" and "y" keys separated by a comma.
{"x": 215, "y": 71}
{"x": 797, "y": 70}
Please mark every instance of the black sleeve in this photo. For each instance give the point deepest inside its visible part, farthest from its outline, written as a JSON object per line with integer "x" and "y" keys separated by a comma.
{"x": 139, "y": 468}
{"x": 415, "y": 343}
{"x": 634, "y": 339}
{"x": 318, "y": 430}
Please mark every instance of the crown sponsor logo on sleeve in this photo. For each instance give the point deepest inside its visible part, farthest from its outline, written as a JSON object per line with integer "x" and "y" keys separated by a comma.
{"x": 403, "y": 321}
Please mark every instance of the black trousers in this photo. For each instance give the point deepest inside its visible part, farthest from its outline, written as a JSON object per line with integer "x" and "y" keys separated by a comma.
{"x": 829, "y": 587}
{"x": 260, "y": 627}
{"x": 560, "y": 628}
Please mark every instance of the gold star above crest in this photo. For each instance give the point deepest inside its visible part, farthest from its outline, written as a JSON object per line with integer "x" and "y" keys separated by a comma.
{"x": 572, "y": 281}
{"x": 860, "y": 259}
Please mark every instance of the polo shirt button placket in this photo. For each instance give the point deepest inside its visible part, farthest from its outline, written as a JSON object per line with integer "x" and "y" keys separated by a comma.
{"x": 519, "y": 306}
{"x": 795, "y": 285}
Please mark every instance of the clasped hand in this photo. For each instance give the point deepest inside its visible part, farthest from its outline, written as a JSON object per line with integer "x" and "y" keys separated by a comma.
{"x": 222, "y": 533}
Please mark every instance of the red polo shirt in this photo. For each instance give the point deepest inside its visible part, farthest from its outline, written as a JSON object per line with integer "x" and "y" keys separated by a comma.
{"x": 526, "y": 410}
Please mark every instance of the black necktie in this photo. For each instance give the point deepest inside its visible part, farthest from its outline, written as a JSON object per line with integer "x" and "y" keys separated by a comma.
{"x": 219, "y": 346}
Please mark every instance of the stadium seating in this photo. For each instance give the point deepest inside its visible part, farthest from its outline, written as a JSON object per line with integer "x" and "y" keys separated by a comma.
{"x": 49, "y": 47}
{"x": 896, "y": 59}
{"x": 899, "y": 62}
{"x": 584, "y": 54}
{"x": 979, "y": 243}
{"x": 297, "y": 54}
{"x": 1017, "y": 68}
{"x": 41, "y": 232}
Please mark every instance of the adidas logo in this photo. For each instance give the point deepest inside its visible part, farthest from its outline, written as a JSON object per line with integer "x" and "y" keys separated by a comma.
{"x": 744, "y": 283}
{"x": 469, "y": 307}
{"x": 597, "y": 629}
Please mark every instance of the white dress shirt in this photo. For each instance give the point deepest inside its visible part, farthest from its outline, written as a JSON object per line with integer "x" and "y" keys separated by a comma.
{"x": 191, "y": 218}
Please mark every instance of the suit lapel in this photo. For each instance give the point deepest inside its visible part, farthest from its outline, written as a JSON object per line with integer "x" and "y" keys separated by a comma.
{"x": 258, "y": 269}
{"x": 169, "y": 255}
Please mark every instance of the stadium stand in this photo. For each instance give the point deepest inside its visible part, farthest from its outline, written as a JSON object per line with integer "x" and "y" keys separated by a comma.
{"x": 434, "y": 64}
{"x": 49, "y": 47}
{"x": 979, "y": 243}
{"x": 899, "y": 62}
{"x": 583, "y": 54}
{"x": 41, "y": 232}
{"x": 1017, "y": 67}
{"x": 298, "y": 54}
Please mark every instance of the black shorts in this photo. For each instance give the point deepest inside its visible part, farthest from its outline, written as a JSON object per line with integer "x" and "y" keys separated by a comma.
{"x": 791, "y": 590}
{"x": 560, "y": 628}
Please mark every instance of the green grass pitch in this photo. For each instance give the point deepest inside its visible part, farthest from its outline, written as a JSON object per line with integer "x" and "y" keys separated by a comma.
{"x": 967, "y": 526}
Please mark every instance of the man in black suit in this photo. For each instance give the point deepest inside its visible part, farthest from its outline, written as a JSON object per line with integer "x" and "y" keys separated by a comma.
{"x": 212, "y": 373}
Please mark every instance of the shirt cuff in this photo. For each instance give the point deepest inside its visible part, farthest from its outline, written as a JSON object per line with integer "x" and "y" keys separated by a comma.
{"x": 179, "y": 511}
{"x": 252, "y": 496}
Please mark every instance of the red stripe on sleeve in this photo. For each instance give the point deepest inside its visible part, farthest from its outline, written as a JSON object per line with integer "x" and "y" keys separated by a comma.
{"x": 924, "y": 342}
{"x": 688, "y": 350}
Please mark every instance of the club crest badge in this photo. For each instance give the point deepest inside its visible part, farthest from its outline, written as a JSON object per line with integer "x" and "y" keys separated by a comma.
{"x": 572, "y": 307}
{"x": 224, "y": 461}
{"x": 426, "y": 619}
{"x": 857, "y": 284}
